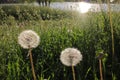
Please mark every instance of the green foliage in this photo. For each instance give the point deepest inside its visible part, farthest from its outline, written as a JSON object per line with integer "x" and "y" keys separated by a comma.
{"x": 21, "y": 12}
{"x": 88, "y": 32}
{"x": 29, "y": 13}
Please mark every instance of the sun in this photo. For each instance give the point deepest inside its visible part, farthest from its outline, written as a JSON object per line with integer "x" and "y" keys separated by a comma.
{"x": 84, "y": 7}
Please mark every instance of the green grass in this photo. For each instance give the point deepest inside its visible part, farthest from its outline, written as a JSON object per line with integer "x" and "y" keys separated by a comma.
{"x": 88, "y": 32}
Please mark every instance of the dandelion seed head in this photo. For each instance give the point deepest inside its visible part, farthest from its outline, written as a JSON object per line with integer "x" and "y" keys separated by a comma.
{"x": 69, "y": 31}
{"x": 28, "y": 39}
{"x": 70, "y": 57}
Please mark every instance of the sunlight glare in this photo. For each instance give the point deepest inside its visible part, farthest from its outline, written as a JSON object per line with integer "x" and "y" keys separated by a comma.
{"x": 84, "y": 7}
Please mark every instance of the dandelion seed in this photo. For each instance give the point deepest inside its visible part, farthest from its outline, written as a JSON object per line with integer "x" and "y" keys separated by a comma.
{"x": 70, "y": 57}
{"x": 28, "y": 39}
{"x": 69, "y": 31}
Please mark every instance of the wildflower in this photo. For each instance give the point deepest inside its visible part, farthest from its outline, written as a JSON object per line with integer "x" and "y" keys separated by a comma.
{"x": 28, "y": 39}
{"x": 69, "y": 31}
{"x": 70, "y": 57}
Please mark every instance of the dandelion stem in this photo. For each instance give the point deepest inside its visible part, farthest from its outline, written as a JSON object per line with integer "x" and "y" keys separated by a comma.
{"x": 112, "y": 37}
{"x": 100, "y": 67}
{"x": 31, "y": 60}
{"x": 73, "y": 71}
{"x": 111, "y": 26}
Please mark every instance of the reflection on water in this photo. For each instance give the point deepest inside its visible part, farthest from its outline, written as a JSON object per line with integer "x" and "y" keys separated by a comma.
{"x": 81, "y": 7}
{"x": 84, "y": 7}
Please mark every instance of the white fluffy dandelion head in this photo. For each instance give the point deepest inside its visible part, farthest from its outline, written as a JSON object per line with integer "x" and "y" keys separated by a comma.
{"x": 28, "y": 39}
{"x": 70, "y": 57}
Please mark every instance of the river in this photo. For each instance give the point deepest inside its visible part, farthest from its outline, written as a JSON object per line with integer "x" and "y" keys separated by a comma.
{"x": 84, "y": 6}
{"x": 81, "y": 7}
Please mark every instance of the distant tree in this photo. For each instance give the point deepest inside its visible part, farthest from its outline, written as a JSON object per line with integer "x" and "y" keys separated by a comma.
{"x": 116, "y": 1}
{"x": 44, "y": 2}
{"x": 8, "y": 1}
{"x": 3, "y": 1}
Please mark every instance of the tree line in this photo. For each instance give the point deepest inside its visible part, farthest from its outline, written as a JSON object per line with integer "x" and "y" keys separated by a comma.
{"x": 47, "y": 2}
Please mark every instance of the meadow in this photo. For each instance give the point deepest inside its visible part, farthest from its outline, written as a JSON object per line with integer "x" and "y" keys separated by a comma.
{"x": 89, "y": 32}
